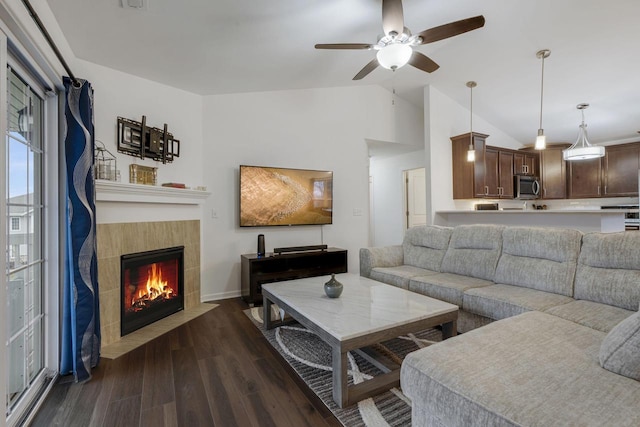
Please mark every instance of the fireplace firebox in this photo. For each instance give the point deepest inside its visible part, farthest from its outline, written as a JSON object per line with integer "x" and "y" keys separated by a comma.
{"x": 152, "y": 287}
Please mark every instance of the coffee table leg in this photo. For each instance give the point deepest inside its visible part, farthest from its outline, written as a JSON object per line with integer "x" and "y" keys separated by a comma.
{"x": 266, "y": 313}
{"x": 449, "y": 329}
{"x": 339, "y": 365}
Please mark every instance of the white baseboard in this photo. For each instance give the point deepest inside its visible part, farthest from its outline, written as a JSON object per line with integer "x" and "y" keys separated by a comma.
{"x": 220, "y": 295}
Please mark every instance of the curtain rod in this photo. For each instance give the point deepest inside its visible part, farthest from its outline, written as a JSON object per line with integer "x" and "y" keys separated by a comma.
{"x": 47, "y": 36}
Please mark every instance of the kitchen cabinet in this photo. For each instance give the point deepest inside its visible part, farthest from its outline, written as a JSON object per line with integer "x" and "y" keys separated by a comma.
{"x": 498, "y": 179}
{"x": 468, "y": 177}
{"x": 525, "y": 163}
{"x": 553, "y": 172}
{"x": 489, "y": 176}
{"x": 585, "y": 178}
{"x": 614, "y": 175}
{"x": 620, "y": 167}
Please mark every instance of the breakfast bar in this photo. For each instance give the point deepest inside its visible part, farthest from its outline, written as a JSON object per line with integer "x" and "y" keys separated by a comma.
{"x": 585, "y": 220}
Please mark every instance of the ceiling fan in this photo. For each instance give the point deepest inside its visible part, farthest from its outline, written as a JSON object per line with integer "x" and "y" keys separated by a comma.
{"x": 395, "y": 48}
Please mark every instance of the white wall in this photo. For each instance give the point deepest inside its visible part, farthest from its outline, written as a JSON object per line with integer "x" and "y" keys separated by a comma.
{"x": 388, "y": 195}
{"x": 321, "y": 129}
{"x": 406, "y": 125}
{"x": 120, "y": 94}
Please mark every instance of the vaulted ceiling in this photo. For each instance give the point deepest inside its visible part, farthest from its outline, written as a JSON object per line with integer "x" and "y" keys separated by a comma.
{"x": 228, "y": 46}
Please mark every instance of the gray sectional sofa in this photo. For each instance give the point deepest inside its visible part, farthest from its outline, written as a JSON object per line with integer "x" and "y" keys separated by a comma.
{"x": 550, "y": 320}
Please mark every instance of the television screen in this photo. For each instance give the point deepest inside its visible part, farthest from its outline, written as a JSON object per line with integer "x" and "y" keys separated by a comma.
{"x": 279, "y": 196}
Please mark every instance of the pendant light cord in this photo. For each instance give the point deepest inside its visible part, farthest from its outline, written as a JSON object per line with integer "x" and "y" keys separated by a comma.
{"x": 541, "y": 91}
{"x": 471, "y": 115}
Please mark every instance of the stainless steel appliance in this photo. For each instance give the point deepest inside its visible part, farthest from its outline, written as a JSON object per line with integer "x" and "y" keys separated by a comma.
{"x": 631, "y": 219}
{"x": 526, "y": 187}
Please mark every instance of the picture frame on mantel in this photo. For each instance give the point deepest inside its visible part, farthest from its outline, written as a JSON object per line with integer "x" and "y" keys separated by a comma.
{"x": 145, "y": 175}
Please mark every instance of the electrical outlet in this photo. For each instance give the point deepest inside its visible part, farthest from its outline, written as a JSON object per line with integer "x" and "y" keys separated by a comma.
{"x": 214, "y": 214}
{"x": 357, "y": 212}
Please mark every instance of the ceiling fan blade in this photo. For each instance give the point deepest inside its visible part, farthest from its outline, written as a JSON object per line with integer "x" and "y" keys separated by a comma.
{"x": 392, "y": 16}
{"x": 364, "y": 46}
{"x": 367, "y": 69}
{"x": 451, "y": 29}
{"x": 423, "y": 62}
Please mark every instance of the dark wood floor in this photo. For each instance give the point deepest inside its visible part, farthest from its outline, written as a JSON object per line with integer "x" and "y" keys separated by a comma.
{"x": 217, "y": 370}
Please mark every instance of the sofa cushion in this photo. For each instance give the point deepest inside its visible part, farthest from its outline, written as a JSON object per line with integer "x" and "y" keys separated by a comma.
{"x": 539, "y": 258}
{"x": 446, "y": 286}
{"x": 609, "y": 269}
{"x": 474, "y": 251}
{"x": 502, "y": 301}
{"x": 601, "y": 317}
{"x": 530, "y": 370}
{"x": 620, "y": 350}
{"x": 425, "y": 246}
{"x": 398, "y": 276}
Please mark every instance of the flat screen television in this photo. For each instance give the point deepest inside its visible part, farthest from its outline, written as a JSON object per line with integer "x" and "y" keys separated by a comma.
{"x": 280, "y": 196}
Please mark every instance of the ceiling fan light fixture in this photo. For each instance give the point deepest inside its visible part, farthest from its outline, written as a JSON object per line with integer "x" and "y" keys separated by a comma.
{"x": 582, "y": 149}
{"x": 394, "y": 56}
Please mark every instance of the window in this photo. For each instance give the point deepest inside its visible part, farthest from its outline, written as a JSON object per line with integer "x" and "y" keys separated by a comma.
{"x": 24, "y": 170}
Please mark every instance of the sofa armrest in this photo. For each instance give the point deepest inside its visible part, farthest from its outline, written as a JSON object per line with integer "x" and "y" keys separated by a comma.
{"x": 384, "y": 256}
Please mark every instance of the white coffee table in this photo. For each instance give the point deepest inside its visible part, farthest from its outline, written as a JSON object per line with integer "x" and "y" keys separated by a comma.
{"x": 367, "y": 312}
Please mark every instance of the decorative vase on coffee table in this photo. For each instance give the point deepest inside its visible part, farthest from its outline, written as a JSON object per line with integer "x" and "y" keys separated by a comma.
{"x": 333, "y": 288}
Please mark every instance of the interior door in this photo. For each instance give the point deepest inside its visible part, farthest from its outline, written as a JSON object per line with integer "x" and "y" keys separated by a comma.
{"x": 416, "y": 197}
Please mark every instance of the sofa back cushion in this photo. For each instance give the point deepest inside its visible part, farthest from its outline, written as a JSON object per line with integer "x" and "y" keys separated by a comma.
{"x": 539, "y": 258}
{"x": 425, "y": 246}
{"x": 609, "y": 269}
{"x": 474, "y": 251}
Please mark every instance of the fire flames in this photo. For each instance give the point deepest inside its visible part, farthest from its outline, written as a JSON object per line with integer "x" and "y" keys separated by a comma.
{"x": 155, "y": 290}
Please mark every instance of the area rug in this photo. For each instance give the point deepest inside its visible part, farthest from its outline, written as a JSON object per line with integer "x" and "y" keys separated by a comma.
{"x": 310, "y": 357}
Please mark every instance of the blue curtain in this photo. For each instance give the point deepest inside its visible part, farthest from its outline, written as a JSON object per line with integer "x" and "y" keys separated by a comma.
{"x": 81, "y": 313}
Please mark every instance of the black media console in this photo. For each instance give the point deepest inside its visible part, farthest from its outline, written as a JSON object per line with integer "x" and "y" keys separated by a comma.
{"x": 287, "y": 266}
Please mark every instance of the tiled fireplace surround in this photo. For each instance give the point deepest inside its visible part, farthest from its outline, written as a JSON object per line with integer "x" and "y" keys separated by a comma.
{"x": 123, "y": 238}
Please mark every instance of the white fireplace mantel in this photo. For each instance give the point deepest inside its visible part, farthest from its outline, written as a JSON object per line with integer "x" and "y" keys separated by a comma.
{"x": 111, "y": 191}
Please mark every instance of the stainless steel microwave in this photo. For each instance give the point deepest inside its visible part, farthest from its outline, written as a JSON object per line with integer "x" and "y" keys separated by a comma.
{"x": 526, "y": 187}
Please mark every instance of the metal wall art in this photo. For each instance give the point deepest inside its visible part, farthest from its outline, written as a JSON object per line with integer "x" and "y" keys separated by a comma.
{"x": 139, "y": 140}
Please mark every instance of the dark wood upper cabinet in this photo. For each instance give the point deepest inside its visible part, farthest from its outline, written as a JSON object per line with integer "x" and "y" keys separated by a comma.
{"x": 525, "y": 163}
{"x": 491, "y": 174}
{"x": 479, "y": 165}
{"x": 614, "y": 175}
{"x": 553, "y": 173}
{"x": 505, "y": 174}
{"x": 621, "y": 165}
{"x": 468, "y": 177}
{"x": 585, "y": 179}
{"x": 462, "y": 169}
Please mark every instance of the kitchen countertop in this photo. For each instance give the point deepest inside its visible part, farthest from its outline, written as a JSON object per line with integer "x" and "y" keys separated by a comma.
{"x": 585, "y": 220}
{"x": 565, "y": 211}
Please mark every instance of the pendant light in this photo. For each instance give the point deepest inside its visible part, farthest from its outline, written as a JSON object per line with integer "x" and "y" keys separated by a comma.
{"x": 471, "y": 154}
{"x": 541, "y": 139}
{"x": 581, "y": 149}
